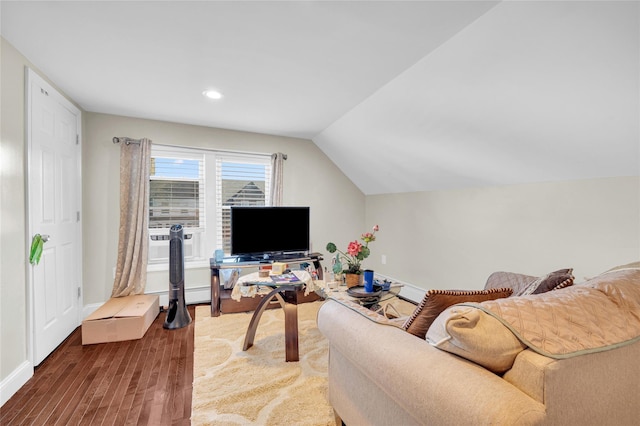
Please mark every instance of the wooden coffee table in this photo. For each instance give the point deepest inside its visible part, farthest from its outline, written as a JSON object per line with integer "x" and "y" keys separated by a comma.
{"x": 287, "y": 296}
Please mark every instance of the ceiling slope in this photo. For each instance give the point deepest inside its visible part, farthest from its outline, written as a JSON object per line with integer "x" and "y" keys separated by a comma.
{"x": 530, "y": 92}
{"x": 285, "y": 68}
{"x": 402, "y": 96}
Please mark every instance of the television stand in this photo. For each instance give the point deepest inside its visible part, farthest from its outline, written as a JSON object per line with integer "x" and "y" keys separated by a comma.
{"x": 220, "y": 296}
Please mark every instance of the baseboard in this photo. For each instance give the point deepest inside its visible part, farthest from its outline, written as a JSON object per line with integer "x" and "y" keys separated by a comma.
{"x": 192, "y": 296}
{"x": 409, "y": 291}
{"x": 14, "y": 381}
{"x": 202, "y": 294}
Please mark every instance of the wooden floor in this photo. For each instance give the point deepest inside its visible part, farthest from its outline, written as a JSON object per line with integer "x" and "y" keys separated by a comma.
{"x": 139, "y": 382}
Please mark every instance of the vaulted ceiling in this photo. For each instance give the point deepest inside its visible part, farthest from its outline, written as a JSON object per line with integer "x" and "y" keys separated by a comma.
{"x": 402, "y": 96}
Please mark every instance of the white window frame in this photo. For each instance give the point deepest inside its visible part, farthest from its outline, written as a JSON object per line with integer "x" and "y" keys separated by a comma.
{"x": 194, "y": 236}
{"x": 209, "y": 237}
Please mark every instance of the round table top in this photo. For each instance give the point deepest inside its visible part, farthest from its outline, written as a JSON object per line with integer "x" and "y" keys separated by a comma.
{"x": 355, "y": 294}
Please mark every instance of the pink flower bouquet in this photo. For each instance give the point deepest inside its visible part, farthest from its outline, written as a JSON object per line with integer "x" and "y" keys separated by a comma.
{"x": 355, "y": 254}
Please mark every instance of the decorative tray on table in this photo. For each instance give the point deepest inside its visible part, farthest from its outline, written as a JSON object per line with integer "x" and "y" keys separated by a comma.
{"x": 358, "y": 291}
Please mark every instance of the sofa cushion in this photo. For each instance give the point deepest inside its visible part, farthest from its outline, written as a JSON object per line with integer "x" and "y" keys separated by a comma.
{"x": 597, "y": 315}
{"x": 552, "y": 281}
{"x": 632, "y": 265}
{"x": 516, "y": 282}
{"x": 436, "y": 301}
{"x": 475, "y": 335}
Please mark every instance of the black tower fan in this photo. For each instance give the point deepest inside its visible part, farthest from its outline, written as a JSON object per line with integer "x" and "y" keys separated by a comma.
{"x": 177, "y": 314}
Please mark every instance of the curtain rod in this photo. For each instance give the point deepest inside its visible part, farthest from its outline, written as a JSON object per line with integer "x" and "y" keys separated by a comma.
{"x": 284, "y": 156}
{"x": 127, "y": 141}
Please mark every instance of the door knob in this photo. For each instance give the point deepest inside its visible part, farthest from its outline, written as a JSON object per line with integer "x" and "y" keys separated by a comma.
{"x": 45, "y": 238}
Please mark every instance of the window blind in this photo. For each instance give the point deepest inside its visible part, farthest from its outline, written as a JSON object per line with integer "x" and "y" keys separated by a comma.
{"x": 176, "y": 191}
{"x": 240, "y": 181}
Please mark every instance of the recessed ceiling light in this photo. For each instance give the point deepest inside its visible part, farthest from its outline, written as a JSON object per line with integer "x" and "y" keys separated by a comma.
{"x": 212, "y": 94}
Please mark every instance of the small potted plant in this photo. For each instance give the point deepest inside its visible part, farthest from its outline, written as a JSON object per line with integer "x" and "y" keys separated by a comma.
{"x": 355, "y": 254}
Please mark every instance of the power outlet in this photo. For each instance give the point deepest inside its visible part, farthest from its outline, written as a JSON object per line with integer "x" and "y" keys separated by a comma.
{"x": 383, "y": 259}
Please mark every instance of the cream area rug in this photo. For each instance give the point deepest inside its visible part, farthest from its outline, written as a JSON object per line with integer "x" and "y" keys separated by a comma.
{"x": 257, "y": 386}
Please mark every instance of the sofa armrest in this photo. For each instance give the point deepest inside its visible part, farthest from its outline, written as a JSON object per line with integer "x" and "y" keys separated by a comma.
{"x": 430, "y": 385}
{"x": 528, "y": 373}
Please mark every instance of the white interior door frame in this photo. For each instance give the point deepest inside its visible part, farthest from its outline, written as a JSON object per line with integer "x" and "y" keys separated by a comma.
{"x": 31, "y": 77}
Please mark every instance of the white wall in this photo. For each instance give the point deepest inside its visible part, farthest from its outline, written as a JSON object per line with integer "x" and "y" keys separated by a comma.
{"x": 455, "y": 239}
{"x": 14, "y": 366}
{"x": 310, "y": 178}
{"x": 12, "y": 221}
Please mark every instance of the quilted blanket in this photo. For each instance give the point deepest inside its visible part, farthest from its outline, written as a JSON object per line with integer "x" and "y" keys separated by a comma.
{"x": 599, "y": 314}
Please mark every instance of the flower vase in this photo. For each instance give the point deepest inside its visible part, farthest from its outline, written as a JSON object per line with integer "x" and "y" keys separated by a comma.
{"x": 339, "y": 278}
{"x": 353, "y": 280}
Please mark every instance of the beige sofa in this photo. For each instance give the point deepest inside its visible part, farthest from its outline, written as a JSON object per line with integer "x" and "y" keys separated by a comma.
{"x": 575, "y": 362}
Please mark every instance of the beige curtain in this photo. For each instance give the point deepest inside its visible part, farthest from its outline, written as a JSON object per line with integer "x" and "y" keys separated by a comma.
{"x": 277, "y": 164}
{"x": 133, "y": 244}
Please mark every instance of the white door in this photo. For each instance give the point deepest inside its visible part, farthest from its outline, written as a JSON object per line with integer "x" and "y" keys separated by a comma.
{"x": 54, "y": 177}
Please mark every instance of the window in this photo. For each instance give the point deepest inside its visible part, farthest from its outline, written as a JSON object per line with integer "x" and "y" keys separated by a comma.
{"x": 174, "y": 192}
{"x": 196, "y": 188}
{"x": 241, "y": 181}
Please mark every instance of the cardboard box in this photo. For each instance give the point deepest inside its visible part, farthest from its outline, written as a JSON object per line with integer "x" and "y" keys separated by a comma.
{"x": 120, "y": 318}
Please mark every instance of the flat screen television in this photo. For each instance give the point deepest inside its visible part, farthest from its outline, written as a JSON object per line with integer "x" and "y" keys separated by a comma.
{"x": 269, "y": 232}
